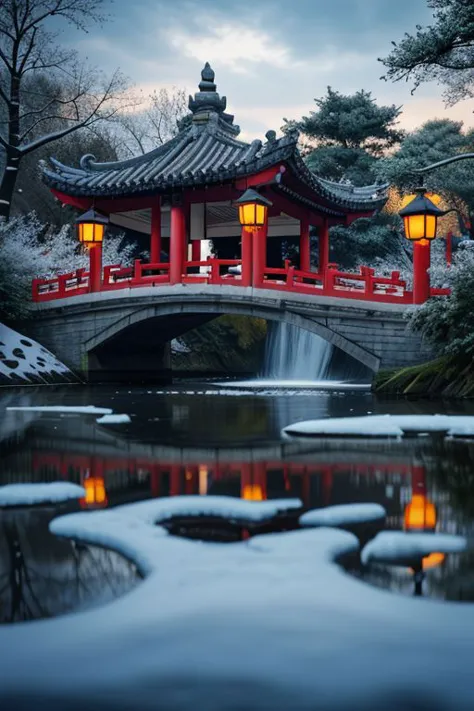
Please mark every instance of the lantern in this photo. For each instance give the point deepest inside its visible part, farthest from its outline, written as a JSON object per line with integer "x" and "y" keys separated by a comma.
{"x": 420, "y": 216}
{"x": 90, "y": 228}
{"x": 253, "y": 209}
{"x": 252, "y": 492}
{"x": 96, "y": 495}
{"x": 420, "y": 514}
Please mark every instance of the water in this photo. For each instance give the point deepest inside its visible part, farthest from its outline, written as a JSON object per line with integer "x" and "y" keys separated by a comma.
{"x": 201, "y": 438}
{"x": 293, "y": 353}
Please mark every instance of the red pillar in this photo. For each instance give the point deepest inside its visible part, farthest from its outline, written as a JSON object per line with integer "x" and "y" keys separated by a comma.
{"x": 259, "y": 255}
{"x": 196, "y": 250}
{"x": 305, "y": 247}
{"x": 421, "y": 277}
{"x": 175, "y": 480}
{"x": 418, "y": 479}
{"x": 177, "y": 243}
{"x": 326, "y": 485}
{"x": 323, "y": 247}
{"x": 95, "y": 267}
{"x": 246, "y": 257}
{"x": 155, "y": 239}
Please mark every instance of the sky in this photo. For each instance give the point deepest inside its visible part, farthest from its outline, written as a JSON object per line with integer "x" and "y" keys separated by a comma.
{"x": 271, "y": 57}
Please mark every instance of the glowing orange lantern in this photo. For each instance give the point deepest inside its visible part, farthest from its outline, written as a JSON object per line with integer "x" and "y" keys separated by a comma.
{"x": 96, "y": 495}
{"x": 91, "y": 227}
{"x": 420, "y": 216}
{"x": 420, "y": 514}
{"x": 253, "y": 209}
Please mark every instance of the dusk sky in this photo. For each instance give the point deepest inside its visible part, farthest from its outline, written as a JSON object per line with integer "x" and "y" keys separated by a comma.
{"x": 271, "y": 57}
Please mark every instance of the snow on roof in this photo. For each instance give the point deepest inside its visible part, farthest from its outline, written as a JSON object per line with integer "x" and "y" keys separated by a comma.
{"x": 29, "y": 494}
{"x": 384, "y": 426}
{"x": 23, "y": 359}
{"x": 343, "y": 514}
{"x": 397, "y": 546}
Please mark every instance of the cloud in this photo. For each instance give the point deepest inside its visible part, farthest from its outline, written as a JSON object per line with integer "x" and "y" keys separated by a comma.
{"x": 232, "y": 45}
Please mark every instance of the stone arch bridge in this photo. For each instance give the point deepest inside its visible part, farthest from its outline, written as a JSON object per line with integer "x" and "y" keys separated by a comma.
{"x": 125, "y": 334}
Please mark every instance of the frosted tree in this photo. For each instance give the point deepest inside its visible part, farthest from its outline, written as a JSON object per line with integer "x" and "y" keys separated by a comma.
{"x": 30, "y": 249}
{"x": 34, "y": 112}
{"x": 448, "y": 321}
{"x": 443, "y": 51}
{"x": 165, "y": 113}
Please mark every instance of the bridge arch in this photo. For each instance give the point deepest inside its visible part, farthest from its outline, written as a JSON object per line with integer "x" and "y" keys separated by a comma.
{"x": 189, "y": 305}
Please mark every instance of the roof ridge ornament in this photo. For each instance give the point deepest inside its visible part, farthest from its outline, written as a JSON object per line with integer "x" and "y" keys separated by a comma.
{"x": 207, "y": 101}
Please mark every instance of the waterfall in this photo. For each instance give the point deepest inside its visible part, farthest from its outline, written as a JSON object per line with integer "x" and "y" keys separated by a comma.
{"x": 292, "y": 353}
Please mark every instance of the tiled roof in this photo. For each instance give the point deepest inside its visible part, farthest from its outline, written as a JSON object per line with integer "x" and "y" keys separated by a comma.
{"x": 205, "y": 153}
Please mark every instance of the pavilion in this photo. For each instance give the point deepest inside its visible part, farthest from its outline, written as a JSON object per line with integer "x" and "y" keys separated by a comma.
{"x": 184, "y": 191}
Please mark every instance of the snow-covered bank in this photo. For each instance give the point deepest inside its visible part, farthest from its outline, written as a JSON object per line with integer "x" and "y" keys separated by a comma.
{"x": 385, "y": 426}
{"x": 398, "y": 546}
{"x": 343, "y": 515}
{"x": 270, "y": 623}
{"x": 30, "y": 494}
{"x": 23, "y": 361}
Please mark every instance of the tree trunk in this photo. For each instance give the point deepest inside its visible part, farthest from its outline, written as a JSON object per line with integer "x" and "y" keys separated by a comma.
{"x": 7, "y": 185}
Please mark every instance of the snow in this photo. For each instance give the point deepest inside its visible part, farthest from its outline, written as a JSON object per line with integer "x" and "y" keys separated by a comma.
{"x": 23, "y": 357}
{"x": 113, "y": 419}
{"x": 393, "y": 546}
{"x": 385, "y": 426}
{"x": 65, "y": 409}
{"x": 267, "y": 623}
{"x": 28, "y": 494}
{"x": 342, "y": 515}
{"x": 266, "y": 384}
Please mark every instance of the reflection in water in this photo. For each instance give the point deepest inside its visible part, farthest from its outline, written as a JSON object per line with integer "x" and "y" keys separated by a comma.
{"x": 187, "y": 442}
{"x": 42, "y": 575}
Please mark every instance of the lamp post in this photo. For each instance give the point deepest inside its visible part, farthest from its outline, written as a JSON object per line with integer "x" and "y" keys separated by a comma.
{"x": 90, "y": 231}
{"x": 253, "y": 218}
{"x": 420, "y": 220}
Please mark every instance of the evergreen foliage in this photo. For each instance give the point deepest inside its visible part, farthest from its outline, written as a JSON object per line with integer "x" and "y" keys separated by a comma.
{"x": 347, "y": 134}
{"x": 442, "y": 52}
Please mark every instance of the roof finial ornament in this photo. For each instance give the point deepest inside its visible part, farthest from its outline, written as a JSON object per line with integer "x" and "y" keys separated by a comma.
{"x": 207, "y": 78}
{"x": 207, "y": 100}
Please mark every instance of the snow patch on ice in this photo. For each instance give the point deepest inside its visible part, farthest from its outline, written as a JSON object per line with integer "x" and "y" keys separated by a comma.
{"x": 393, "y": 546}
{"x": 113, "y": 419}
{"x": 385, "y": 426}
{"x": 65, "y": 409}
{"x": 343, "y": 514}
{"x": 29, "y": 494}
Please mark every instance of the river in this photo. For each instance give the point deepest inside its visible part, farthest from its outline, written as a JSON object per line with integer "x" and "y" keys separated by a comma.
{"x": 206, "y": 438}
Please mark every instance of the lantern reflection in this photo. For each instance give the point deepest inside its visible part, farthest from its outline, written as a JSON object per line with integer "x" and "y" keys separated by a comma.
{"x": 252, "y": 492}
{"x": 96, "y": 494}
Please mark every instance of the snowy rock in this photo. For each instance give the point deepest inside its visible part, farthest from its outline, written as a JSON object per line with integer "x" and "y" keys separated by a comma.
{"x": 24, "y": 361}
{"x": 397, "y": 546}
{"x": 343, "y": 515}
{"x": 29, "y": 494}
{"x": 113, "y": 419}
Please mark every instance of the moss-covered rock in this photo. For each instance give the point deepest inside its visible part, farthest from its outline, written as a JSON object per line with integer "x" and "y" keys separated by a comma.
{"x": 444, "y": 377}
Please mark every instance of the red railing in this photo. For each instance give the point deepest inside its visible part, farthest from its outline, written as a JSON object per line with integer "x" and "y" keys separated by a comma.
{"x": 364, "y": 285}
